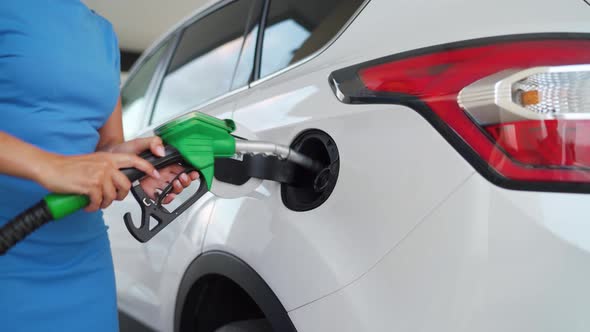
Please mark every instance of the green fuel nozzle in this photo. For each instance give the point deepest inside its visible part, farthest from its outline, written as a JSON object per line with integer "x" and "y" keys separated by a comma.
{"x": 195, "y": 140}
{"x": 200, "y": 139}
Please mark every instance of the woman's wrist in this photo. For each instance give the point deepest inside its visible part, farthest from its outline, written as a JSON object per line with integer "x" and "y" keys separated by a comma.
{"x": 43, "y": 167}
{"x": 107, "y": 148}
{"x": 109, "y": 144}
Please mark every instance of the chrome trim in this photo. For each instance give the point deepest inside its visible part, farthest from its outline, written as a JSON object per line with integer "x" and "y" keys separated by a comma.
{"x": 282, "y": 151}
{"x": 339, "y": 94}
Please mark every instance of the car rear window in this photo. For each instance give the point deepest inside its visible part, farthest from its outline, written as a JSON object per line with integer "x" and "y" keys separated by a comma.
{"x": 297, "y": 28}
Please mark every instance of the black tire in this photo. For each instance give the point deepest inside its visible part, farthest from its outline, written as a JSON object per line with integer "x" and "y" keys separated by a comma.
{"x": 258, "y": 325}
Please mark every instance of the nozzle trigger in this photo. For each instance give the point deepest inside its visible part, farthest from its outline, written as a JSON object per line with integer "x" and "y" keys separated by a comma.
{"x": 155, "y": 210}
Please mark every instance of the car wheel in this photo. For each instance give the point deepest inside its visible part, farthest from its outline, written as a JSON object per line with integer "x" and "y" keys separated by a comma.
{"x": 258, "y": 325}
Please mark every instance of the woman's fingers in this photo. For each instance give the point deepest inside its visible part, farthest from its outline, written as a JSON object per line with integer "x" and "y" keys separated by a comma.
{"x": 173, "y": 169}
{"x": 157, "y": 146}
{"x": 168, "y": 175}
{"x": 169, "y": 198}
{"x": 122, "y": 184}
{"x": 177, "y": 187}
{"x": 150, "y": 185}
{"x": 109, "y": 193}
{"x": 95, "y": 195}
{"x": 154, "y": 144}
{"x": 124, "y": 160}
{"x": 184, "y": 180}
{"x": 138, "y": 145}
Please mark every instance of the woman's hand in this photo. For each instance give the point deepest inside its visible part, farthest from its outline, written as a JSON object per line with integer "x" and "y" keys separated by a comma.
{"x": 151, "y": 184}
{"x": 96, "y": 175}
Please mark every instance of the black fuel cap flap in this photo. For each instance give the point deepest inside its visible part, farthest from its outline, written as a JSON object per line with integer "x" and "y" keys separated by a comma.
{"x": 308, "y": 190}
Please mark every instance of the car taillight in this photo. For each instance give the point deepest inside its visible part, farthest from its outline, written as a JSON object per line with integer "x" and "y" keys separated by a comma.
{"x": 518, "y": 109}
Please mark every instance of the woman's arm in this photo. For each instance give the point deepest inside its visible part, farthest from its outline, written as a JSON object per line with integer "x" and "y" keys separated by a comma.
{"x": 111, "y": 134}
{"x": 21, "y": 159}
{"x": 96, "y": 175}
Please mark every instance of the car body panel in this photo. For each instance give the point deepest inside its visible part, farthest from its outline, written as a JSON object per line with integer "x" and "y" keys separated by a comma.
{"x": 388, "y": 27}
{"x": 344, "y": 237}
{"x": 487, "y": 259}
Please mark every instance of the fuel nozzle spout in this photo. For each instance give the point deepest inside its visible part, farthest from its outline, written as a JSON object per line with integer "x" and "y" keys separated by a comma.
{"x": 281, "y": 151}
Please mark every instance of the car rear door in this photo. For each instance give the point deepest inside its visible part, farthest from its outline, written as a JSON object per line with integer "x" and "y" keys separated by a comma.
{"x": 298, "y": 250}
{"x": 205, "y": 65}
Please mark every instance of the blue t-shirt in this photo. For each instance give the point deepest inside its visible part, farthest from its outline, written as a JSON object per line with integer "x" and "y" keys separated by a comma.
{"x": 59, "y": 77}
{"x": 59, "y": 83}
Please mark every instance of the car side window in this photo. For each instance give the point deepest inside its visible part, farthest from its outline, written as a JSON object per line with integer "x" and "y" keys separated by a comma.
{"x": 245, "y": 65}
{"x": 134, "y": 93}
{"x": 205, "y": 60}
{"x": 298, "y": 28}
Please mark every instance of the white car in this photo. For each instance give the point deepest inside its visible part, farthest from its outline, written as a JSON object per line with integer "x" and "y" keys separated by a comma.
{"x": 457, "y": 138}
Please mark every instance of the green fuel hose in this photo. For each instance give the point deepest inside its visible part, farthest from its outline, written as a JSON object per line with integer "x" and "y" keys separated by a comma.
{"x": 57, "y": 206}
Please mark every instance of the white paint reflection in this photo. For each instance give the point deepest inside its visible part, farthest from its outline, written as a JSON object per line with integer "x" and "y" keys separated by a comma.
{"x": 276, "y": 111}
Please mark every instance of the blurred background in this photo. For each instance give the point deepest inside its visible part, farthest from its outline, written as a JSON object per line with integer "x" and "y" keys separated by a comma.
{"x": 138, "y": 23}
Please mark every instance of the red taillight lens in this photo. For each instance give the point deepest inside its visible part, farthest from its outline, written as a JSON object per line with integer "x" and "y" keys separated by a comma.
{"x": 545, "y": 143}
{"x": 521, "y": 106}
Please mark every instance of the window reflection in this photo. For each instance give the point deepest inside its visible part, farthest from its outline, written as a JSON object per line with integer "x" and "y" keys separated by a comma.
{"x": 298, "y": 28}
{"x": 199, "y": 80}
{"x": 281, "y": 41}
{"x": 204, "y": 62}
